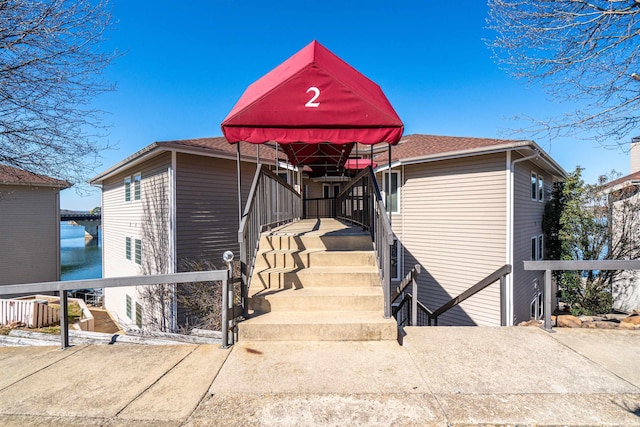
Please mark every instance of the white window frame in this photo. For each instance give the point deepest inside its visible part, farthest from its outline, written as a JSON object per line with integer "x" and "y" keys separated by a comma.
{"x": 537, "y": 247}
{"x": 134, "y": 251}
{"x": 128, "y": 248}
{"x": 127, "y": 189}
{"x": 537, "y": 306}
{"x": 138, "y": 251}
{"x": 533, "y": 185}
{"x": 385, "y": 196}
{"x": 540, "y": 248}
{"x": 540, "y": 188}
{"x": 326, "y": 190}
{"x": 137, "y": 186}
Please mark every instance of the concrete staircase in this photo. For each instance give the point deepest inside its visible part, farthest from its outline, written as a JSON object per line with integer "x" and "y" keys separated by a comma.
{"x": 316, "y": 280}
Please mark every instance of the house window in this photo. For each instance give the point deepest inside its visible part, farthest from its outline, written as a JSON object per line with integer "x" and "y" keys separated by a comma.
{"x": 537, "y": 307}
{"x": 391, "y": 197}
{"x": 540, "y": 247}
{"x": 336, "y": 190}
{"x": 137, "y": 180}
{"x": 138, "y": 315}
{"x": 138, "y": 251}
{"x": 128, "y": 301}
{"x": 127, "y": 249}
{"x": 326, "y": 191}
{"x": 127, "y": 189}
{"x": 537, "y": 248}
{"x": 540, "y": 188}
{"x": 537, "y": 187}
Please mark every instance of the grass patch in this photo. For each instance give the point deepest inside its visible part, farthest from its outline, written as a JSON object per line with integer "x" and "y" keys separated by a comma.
{"x": 73, "y": 309}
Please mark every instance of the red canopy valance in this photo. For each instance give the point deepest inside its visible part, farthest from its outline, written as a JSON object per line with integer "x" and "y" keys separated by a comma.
{"x": 314, "y": 97}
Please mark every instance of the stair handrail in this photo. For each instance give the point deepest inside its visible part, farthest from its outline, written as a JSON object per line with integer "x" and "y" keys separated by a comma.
{"x": 360, "y": 202}
{"x": 263, "y": 211}
{"x": 500, "y": 274}
{"x": 410, "y": 278}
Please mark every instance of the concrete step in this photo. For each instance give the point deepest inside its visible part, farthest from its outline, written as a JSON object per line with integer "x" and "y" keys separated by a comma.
{"x": 318, "y": 299}
{"x": 316, "y": 276}
{"x": 357, "y": 241}
{"x": 292, "y": 258}
{"x": 318, "y": 326}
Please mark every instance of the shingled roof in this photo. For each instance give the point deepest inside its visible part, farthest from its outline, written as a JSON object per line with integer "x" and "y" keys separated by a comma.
{"x": 633, "y": 178}
{"x": 13, "y": 176}
{"x": 418, "y": 146}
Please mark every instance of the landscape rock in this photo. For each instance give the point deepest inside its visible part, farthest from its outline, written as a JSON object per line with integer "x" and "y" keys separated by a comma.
{"x": 568, "y": 321}
{"x": 606, "y": 325}
{"x": 588, "y": 325}
{"x": 531, "y": 322}
{"x": 628, "y": 325}
{"x": 634, "y": 319}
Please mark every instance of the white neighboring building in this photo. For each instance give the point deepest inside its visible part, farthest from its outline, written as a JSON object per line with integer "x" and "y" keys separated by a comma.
{"x": 624, "y": 196}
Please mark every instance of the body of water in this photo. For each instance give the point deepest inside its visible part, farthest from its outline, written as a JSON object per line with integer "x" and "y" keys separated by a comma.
{"x": 79, "y": 260}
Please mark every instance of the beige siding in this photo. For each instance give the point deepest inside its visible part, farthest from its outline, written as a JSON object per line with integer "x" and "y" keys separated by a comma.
{"x": 121, "y": 219}
{"x": 207, "y": 206}
{"x": 29, "y": 234}
{"x": 453, "y": 223}
{"x": 527, "y": 223}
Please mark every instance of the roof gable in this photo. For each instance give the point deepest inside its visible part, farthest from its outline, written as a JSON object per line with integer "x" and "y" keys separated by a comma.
{"x": 14, "y": 176}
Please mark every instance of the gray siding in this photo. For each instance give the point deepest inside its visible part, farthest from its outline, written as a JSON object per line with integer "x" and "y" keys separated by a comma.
{"x": 29, "y": 234}
{"x": 207, "y": 206}
{"x": 527, "y": 223}
{"x": 453, "y": 223}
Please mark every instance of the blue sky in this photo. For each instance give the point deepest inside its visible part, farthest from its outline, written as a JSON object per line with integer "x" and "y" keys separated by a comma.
{"x": 186, "y": 63}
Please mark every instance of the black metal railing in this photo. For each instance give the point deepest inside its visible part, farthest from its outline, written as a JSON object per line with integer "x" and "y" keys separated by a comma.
{"x": 361, "y": 203}
{"x": 408, "y": 311}
{"x": 319, "y": 208}
{"x": 271, "y": 202}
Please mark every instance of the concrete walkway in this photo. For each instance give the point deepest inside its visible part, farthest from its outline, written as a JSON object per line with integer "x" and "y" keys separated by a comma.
{"x": 440, "y": 376}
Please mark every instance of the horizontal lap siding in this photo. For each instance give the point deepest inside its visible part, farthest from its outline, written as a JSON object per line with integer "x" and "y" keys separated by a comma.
{"x": 526, "y": 224}
{"x": 454, "y": 215}
{"x": 29, "y": 236}
{"x": 121, "y": 219}
{"x": 207, "y": 206}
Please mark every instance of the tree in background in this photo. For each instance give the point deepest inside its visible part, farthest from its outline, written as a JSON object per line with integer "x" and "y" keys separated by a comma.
{"x": 51, "y": 66}
{"x": 583, "y": 51}
{"x": 578, "y": 226}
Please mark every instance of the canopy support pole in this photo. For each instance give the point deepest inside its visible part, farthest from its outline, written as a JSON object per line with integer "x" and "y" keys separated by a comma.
{"x": 239, "y": 187}
{"x": 389, "y": 188}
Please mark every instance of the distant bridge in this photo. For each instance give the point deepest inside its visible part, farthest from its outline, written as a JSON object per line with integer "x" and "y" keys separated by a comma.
{"x": 90, "y": 222}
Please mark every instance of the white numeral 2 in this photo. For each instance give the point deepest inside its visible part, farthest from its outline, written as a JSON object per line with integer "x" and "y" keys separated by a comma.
{"x": 311, "y": 102}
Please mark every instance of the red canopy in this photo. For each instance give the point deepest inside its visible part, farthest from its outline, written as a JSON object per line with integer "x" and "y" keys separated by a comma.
{"x": 313, "y": 97}
{"x": 357, "y": 164}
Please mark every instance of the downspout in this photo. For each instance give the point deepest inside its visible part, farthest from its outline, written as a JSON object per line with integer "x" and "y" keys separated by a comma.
{"x": 510, "y": 228}
{"x": 173, "y": 261}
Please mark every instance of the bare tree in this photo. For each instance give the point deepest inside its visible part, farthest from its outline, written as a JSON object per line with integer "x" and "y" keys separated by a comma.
{"x": 582, "y": 51}
{"x": 51, "y": 68}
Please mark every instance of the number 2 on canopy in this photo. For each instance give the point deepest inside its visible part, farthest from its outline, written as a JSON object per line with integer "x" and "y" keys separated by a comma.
{"x": 311, "y": 102}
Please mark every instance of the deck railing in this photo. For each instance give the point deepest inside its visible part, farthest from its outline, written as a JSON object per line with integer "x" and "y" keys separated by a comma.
{"x": 221, "y": 276}
{"x": 549, "y": 266}
{"x": 319, "y": 208}
{"x": 271, "y": 202}
{"x": 361, "y": 203}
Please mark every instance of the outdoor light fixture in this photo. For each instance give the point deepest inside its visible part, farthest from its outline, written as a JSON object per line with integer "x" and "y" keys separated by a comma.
{"x": 227, "y": 256}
